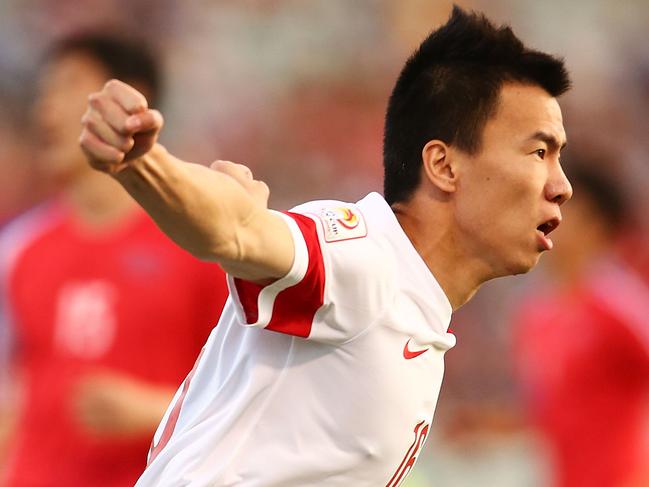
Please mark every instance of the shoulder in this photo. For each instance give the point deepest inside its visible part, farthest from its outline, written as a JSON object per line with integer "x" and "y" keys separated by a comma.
{"x": 26, "y": 231}
{"x": 339, "y": 221}
{"x": 357, "y": 255}
{"x": 620, "y": 292}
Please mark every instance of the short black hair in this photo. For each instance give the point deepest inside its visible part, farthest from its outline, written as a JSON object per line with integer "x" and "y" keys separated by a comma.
{"x": 449, "y": 88}
{"x": 124, "y": 58}
{"x": 590, "y": 180}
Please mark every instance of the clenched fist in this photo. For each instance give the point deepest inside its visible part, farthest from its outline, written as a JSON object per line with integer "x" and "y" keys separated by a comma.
{"x": 118, "y": 127}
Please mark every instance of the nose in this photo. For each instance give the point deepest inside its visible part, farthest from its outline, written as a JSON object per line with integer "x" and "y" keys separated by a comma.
{"x": 558, "y": 189}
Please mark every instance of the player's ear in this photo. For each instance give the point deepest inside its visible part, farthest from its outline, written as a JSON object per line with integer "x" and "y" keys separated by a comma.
{"x": 439, "y": 166}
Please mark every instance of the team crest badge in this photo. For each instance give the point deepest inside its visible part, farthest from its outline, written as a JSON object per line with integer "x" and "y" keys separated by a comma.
{"x": 342, "y": 223}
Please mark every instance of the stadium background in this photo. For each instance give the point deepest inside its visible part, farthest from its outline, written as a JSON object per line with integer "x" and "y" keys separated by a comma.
{"x": 296, "y": 89}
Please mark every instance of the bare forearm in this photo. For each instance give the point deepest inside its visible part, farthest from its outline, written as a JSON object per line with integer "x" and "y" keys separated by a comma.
{"x": 218, "y": 215}
{"x": 199, "y": 209}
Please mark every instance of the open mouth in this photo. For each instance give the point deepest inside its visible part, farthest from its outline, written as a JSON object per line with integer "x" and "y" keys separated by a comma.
{"x": 547, "y": 227}
{"x": 544, "y": 231}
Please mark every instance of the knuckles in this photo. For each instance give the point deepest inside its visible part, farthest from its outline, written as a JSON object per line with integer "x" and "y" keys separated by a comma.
{"x": 84, "y": 139}
{"x": 131, "y": 99}
{"x": 95, "y": 100}
{"x": 105, "y": 138}
{"x": 98, "y": 159}
{"x": 112, "y": 84}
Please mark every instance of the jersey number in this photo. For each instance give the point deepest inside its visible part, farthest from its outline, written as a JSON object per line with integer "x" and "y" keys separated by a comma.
{"x": 421, "y": 432}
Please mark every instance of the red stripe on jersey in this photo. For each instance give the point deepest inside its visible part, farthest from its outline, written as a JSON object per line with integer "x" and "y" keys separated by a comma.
{"x": 170, "y": 425}
{"x": 248, "y": 297}
{"x": 421, "y": 432}
{"x": 294, "y": 308}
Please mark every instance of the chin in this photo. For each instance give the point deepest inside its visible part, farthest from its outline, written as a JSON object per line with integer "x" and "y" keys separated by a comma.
{"x": 522, "y": 265}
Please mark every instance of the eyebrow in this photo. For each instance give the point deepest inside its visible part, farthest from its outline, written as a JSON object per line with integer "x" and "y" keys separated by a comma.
{"x": 549, "y": 139}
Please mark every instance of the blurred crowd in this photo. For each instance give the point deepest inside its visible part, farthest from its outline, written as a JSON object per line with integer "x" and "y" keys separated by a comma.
{"x": 296, "y": 90}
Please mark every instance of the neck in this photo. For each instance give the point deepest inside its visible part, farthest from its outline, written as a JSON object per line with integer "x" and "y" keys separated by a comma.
{"x": 97, "y": 201}
{"x": 458, "y": 273}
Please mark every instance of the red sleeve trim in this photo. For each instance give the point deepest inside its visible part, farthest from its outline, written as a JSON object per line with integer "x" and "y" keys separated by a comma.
{"x": 294, "y": 307}
{"x": 248, "y": 293}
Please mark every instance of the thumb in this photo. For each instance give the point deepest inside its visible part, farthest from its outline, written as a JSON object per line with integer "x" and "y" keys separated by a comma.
{"x": 145, "y": 127}
{"x": 146, "y": 121}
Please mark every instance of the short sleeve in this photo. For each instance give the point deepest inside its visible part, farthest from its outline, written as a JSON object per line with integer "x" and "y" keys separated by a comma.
{"x": 340, "y": 280}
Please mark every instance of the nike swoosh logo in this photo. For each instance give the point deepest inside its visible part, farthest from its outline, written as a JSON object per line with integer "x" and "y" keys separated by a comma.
{"x": 410, "y": 354}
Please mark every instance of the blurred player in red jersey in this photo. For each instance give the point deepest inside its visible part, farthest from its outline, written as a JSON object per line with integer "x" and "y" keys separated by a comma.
{"x": 107, "y": 315}
{"x": 582, "y": 347}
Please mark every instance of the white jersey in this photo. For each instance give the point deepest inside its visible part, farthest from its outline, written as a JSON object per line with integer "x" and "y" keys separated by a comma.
{"x": 327, "y": 377}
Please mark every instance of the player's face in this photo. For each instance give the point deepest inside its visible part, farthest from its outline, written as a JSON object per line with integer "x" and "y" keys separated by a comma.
{"x": 509, "y": 193}
{"x": 61, "y": 102}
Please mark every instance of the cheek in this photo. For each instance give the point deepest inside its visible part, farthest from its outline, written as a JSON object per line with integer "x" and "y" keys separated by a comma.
{"x": 479, "y": 214}
{"x": 73, "y": 111}
{"x": 496, "y": 208}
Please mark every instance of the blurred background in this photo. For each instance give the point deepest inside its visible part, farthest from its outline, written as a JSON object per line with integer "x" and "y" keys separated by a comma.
{"x": 297, "y": 89}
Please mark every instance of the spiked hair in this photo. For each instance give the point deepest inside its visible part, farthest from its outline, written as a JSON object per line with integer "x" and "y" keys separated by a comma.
{"x": 450, "y": 87}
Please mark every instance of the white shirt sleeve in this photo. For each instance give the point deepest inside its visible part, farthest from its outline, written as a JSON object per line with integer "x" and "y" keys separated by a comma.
{"x": 340, "y": 282}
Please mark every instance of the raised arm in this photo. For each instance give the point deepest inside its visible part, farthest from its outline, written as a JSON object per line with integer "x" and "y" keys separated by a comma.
{"x": 218, "y": 214}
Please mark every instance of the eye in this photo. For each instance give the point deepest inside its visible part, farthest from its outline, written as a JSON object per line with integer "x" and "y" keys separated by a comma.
{"x": 540, "y": 153}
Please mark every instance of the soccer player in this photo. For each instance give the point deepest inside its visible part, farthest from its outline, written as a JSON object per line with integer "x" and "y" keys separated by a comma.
{"x": 582, "y": 347}
{"x": 106, "y": 313}
{"x": 327, "y": 362}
